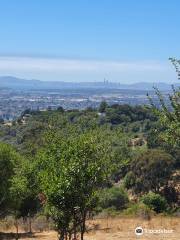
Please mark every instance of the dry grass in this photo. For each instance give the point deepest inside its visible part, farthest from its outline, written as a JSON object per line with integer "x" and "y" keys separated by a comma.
{"x": 123, "y": 228}
{"x": 120, "y": 228}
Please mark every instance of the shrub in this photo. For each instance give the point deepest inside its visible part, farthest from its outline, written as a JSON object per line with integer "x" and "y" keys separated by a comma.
{"x": 150, "y": 171}
{"x": 140, "y": 210}
{"x": 115, "y": 197}
{"x": 155, "y": 202}
{"x": 129, "y": 180}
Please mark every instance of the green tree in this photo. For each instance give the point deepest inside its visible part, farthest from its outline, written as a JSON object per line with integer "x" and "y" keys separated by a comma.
{"x": 24, "y": 191}
{"x": 9, "y": 159}
{"x": 60, "y": 109}
{"x": 170, "y": 118}
{"x": 103, "y": 106}
{"x": 71, "y": 170}
{"x": 170, "y": 115}
{"x": 155, "y": 202}
{"x": 115, "y": 197}
{"x": 149, "y": 171}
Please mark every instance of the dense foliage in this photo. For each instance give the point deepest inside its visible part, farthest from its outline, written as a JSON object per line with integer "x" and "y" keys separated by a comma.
{"x": 144, "y": 173}
{"x": 71, "y": 171}
{"x": 155, "y": 202}
{"x": 69, "y": 165}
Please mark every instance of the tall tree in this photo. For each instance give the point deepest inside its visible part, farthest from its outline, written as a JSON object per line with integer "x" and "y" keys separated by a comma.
{"x": 170, "y": 115}
{"x": 71, "y": 171}
{"x": 24, "y": 191}
{"x": 149, "y": 171}
{"x": 9, "y": 159}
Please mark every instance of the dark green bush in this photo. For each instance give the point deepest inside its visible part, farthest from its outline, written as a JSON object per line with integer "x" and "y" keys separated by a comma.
{"x": 155, "y": 202}
{"x": 115, "y": 197}
{"x": 150, "y": 171}
{"x": 129, "y": 180}
{"x": 140, "y": 210}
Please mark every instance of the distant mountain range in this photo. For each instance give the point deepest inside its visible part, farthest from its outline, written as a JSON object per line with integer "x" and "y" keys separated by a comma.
{"x": 23, "y": 84}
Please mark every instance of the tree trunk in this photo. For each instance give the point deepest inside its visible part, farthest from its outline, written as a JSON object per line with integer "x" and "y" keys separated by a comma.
{"x": 61, "y": 237}
{"x": 83, "y": 226}
{"x": 75, "y": 234}
{"x": 70, "y": 235}
{"x": 30, "y": 225}
{"x": 17, "y": 228}
{"x": 82, "y": 235}
{"x": 66, "y": 236}
{"x": 74, "y": 229}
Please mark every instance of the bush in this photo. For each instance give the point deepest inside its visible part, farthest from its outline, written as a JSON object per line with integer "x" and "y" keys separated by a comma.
{"x": 129, "y": 180}
{"x": 150, "y": 171}
{"x": 140, "y": 210}
{"x": 155, "y": 202}
{"x": 115, "y": 197}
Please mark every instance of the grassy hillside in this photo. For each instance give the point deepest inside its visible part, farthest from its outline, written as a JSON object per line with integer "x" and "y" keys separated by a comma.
{"x": 72, "y": 165}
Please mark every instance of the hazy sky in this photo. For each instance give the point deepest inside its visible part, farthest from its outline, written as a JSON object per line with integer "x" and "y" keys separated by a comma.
{"x": 89, "y": 40}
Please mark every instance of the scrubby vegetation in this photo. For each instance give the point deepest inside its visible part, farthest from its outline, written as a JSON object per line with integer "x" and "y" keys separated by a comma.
{"x": 70, "y": 165}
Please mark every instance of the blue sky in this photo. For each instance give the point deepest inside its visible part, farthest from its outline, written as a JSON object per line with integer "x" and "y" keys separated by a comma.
{"x": 89, "y": 40}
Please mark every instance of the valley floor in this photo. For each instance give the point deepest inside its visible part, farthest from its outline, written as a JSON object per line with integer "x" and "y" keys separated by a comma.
{"x": 120, "y": 228}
